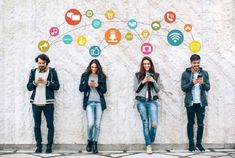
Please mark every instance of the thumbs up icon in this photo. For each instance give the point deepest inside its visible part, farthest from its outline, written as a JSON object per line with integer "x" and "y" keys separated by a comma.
{"x": 95, "y": 51}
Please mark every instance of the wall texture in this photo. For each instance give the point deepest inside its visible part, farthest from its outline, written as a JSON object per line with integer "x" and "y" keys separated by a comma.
{"x": 24, "y": 23}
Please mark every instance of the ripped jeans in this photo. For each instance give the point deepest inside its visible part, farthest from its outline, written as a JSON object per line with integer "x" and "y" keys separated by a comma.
{"x": 149, "y": 115}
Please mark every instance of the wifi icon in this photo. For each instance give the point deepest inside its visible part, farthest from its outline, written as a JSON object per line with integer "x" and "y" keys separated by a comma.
{"x": 175, "y": 37}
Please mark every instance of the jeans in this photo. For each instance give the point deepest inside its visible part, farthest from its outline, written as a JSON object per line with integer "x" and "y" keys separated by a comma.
{"x": 200, "y": 113}
{"x": 48, "y": 111}
{"x": 149, "y": 115}
{"x": 94, "y": 114}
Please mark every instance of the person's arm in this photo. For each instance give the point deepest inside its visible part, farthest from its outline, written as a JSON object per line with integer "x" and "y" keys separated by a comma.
{"x": 186, "y": 84}
{"x": 206, "y": 83}
{"x": 156, "y": 84}
{"x": 83, "y": 83}
{"x": 138, "y": 84}
{"x": 102, "y": 87}
{"x": 54, "y": 84}
{"x": 31, "y": 85}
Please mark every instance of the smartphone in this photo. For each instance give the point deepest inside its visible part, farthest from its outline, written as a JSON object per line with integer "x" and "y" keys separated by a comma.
{"x": 199, "y": 76}
{"x": 148, "y": 74}
{"x": 92, "y": 80}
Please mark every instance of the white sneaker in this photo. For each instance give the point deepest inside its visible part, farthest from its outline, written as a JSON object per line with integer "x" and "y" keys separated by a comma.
{"x": 149, "y": 149}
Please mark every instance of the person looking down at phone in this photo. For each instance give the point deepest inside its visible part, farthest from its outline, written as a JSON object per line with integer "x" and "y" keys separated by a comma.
{"x": 195, "y": 83}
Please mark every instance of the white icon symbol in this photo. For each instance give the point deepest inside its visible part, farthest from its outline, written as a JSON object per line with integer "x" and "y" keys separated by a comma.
{"x": 73, "y": 16}
{"x": 175, "y": 37}
{"x": 95, "y": 52}
{"x": 156, "y": 25}
{"x": 147, "y": 49}
{"x": 132, "y": 24}
{"x": 44, "y": 45}
{"x": 112, "y": 36}
{"x": 170, "y": 17}
{"x": 188, "y": 28}
{"x": 54, "y": 31}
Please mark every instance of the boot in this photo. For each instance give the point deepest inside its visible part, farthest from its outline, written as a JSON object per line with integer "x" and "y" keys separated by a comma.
{"x": 39, "y": 148}
{"x": 49, "y": 148}
{"x": 94, "y": 148}
{"x": 89, "y": 145}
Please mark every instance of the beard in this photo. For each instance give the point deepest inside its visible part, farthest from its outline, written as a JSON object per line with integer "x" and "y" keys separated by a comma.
{"x": 42, "y": 68}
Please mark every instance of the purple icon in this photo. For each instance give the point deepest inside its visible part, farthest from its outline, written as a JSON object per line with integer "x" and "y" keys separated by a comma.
{"x": 54, "y": 31}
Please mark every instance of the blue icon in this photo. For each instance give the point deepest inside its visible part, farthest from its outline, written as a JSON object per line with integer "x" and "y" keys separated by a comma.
{"x": 132, "y": 23}
{"x": 67, "y": 39}
{"x": 96, "y": 23}
{"x": 95, "y": 51}
{"x": 175, "y": 37}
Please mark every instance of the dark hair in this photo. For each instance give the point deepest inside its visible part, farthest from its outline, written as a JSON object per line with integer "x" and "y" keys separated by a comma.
{"x": 194, "y": 57}
{"x": 43, "y": 57}
{"x": 142, "y": 70}
{"x": 99, "y": 68}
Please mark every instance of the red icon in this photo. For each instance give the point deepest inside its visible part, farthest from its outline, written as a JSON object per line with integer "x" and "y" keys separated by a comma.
{"x": 73, "y": 17}
{"x": 54, "y": 31}
{"x": 188, "y": 27}
{"x": 170, "y": 17}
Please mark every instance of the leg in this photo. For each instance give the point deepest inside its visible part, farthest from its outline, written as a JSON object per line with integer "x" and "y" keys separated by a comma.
{"x": 37, "y": 111}
{"x": 200, "y": 113}
{"x": 141, "y": 106}
{"x": 191, "y": 118}
{"x": 153, "y": 113}
{"x": 90, "y": 120}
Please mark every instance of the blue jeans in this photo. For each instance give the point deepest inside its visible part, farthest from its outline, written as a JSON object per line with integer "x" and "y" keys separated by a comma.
{"x": 94, "y": 114}
{"x": 149, "y": 115}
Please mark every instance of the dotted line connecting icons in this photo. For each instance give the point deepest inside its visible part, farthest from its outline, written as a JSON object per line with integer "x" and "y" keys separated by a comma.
{"x": 113, "y": 36}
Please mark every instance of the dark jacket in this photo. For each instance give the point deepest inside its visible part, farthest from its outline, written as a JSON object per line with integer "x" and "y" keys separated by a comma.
{"x": 52, "y": 84}
{"x": 101, "y": 89}
{"x": 187, "y": 85}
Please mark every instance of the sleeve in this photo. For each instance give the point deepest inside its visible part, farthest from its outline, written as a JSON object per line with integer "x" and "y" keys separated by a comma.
{"x": 83, "y": 84}
{"x": 206, "y": 85}
{"x": 138, "y": 85}
{"x": 186, "y": 84}
{"x": 54, "y": 84}
{"x": 102, "y": 87}
{"x": 31, "y": 85}
{"x": 156, "y": 84}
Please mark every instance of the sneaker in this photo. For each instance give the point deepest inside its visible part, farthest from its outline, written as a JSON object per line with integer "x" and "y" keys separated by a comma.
{"x": 38, "y": 150}
{"x": 48, "y": 150}
{"x": 200, "y": 147}
{"x": 191, "y": 147}
{"x": 149, "y": 149}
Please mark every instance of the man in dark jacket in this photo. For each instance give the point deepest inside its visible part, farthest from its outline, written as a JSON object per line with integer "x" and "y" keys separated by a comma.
{"x": 195, "y": 83}
{"x": 43, "y": 81}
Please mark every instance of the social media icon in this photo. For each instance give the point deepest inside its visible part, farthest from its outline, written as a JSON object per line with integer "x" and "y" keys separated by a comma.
{"x": 156, "y": 25}
{"x": 145, "y": 33}
{"x": 109, "y": 14}
{"x": 43, "y": 46}
{"x": 73, "y": 17}
{"x": 129, "y": 36}
{"x": 89, "y": 13}
{"x": 132, "y": 23}
{"x": 195, "y": 46}
{"x": 81, "y": 40}
{"x": 95, "y": 51}
{"x": 170, "y": 17}
{"x": 96, "y": 23}
{"x": 146, "y": 48}
{"x": 67, "y": 39}
{"x": 113, "y": 36}
{"x": 188, "y": 27}
{"x": 175, "y": 37}
{"x": 54, "y": 31}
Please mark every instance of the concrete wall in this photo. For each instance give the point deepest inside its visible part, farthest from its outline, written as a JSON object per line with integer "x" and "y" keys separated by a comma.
{"x": 24, "y": 23}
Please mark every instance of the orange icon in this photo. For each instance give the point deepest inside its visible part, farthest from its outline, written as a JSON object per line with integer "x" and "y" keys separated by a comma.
{"x": 112, "y": 36}
{"x": 188, "y": 27}
{"x": 110, "y": 14}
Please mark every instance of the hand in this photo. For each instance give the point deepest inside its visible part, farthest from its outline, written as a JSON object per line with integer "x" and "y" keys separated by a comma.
{"x": 40, "y": 80}
{"x": 200, "y": 80}
{"x": 150, "y": 79}
{"x": 93, "y": 84}
{"x": 144, "y": 80}
{"x": 195, "y": 81}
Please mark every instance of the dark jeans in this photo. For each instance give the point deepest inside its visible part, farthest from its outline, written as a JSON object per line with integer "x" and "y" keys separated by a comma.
{"x": 48, "y": 111}
{"x": 200, "y": 113}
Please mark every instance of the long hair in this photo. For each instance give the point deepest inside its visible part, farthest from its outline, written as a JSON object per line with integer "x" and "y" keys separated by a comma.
{"x": 99, "y": 68}
{"x": 142, "y": 70}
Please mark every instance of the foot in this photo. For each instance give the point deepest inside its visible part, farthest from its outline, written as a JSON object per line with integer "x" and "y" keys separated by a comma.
{"x": 149, "y": 149}
{"x": 38, "y": 150}
{"x": 95, "y": 148}
{"x": 89, "y": 145}
{"x": 200, "y": 147}
{"x": 48, "y": 150}
{"x": 191, "y": 147}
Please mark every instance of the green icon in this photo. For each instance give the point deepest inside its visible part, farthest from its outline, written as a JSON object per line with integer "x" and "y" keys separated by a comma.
{"x": 89, "y": 13}
{"x": 156, "y": 25}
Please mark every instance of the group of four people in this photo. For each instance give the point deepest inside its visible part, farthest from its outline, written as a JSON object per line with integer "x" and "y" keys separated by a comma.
{"x": 43, "y": 81}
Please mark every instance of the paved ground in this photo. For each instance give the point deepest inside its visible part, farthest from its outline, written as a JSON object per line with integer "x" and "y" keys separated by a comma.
{"x": 211, "y": 153}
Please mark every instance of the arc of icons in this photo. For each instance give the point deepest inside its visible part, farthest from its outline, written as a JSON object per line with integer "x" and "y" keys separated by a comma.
{"x": 113, "y": 36}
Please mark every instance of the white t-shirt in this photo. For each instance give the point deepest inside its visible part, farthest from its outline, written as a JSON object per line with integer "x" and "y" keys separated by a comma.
{"x": 197, "y": 91}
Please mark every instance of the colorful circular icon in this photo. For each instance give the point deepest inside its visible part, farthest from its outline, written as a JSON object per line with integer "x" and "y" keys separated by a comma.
{"x": 109, "y": 14}
{"x": 95, "y": 51}
{"x": 96, "y": 23}
{"x": 67, "y": 39}
{"x": 89, "y": 13}
{"x": 187, "y": 27}
{"x": 129, "y": 36}
{"x": 73, "y": 17}
{"x": 170, "y": 17}
{"x": 132, "y": 23}
{"x": 156, "y": 25}
{"x": 145, "y": 33}
{"x": 195, "y": 46}
{"x": 43, "y": 46}
{"x": 54, "y": 31}
{"x": 146, "y": 48}
{"x": 113, "y": 36}
{"x": 81, "y": 40}
{"x": 175, "y": 37}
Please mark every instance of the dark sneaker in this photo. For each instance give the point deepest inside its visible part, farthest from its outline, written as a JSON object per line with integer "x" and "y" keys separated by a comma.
{"x": 38, "y": 150}
{"x": 200, "y": 147}
{"x": 48, "y": 150}
{"x": 191, "y": 147}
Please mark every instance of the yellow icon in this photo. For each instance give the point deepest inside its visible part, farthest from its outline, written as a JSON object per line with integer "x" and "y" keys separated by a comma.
{"x": 110, "y": 14}
{"x": 145, "y": 34}
{"x": 43, "y": 46}
{"x": 81, "y": 40}
{"x": 129, "y": 36}
{"x": 195, "y": 46}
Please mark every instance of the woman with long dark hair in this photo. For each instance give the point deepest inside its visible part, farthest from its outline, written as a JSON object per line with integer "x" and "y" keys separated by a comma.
{"x": 93, "y": 84}
{"x": 147, "y": 87}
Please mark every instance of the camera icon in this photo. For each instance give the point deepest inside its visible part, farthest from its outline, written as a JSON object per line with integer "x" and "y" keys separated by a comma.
{"x": 146, "y": 48}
